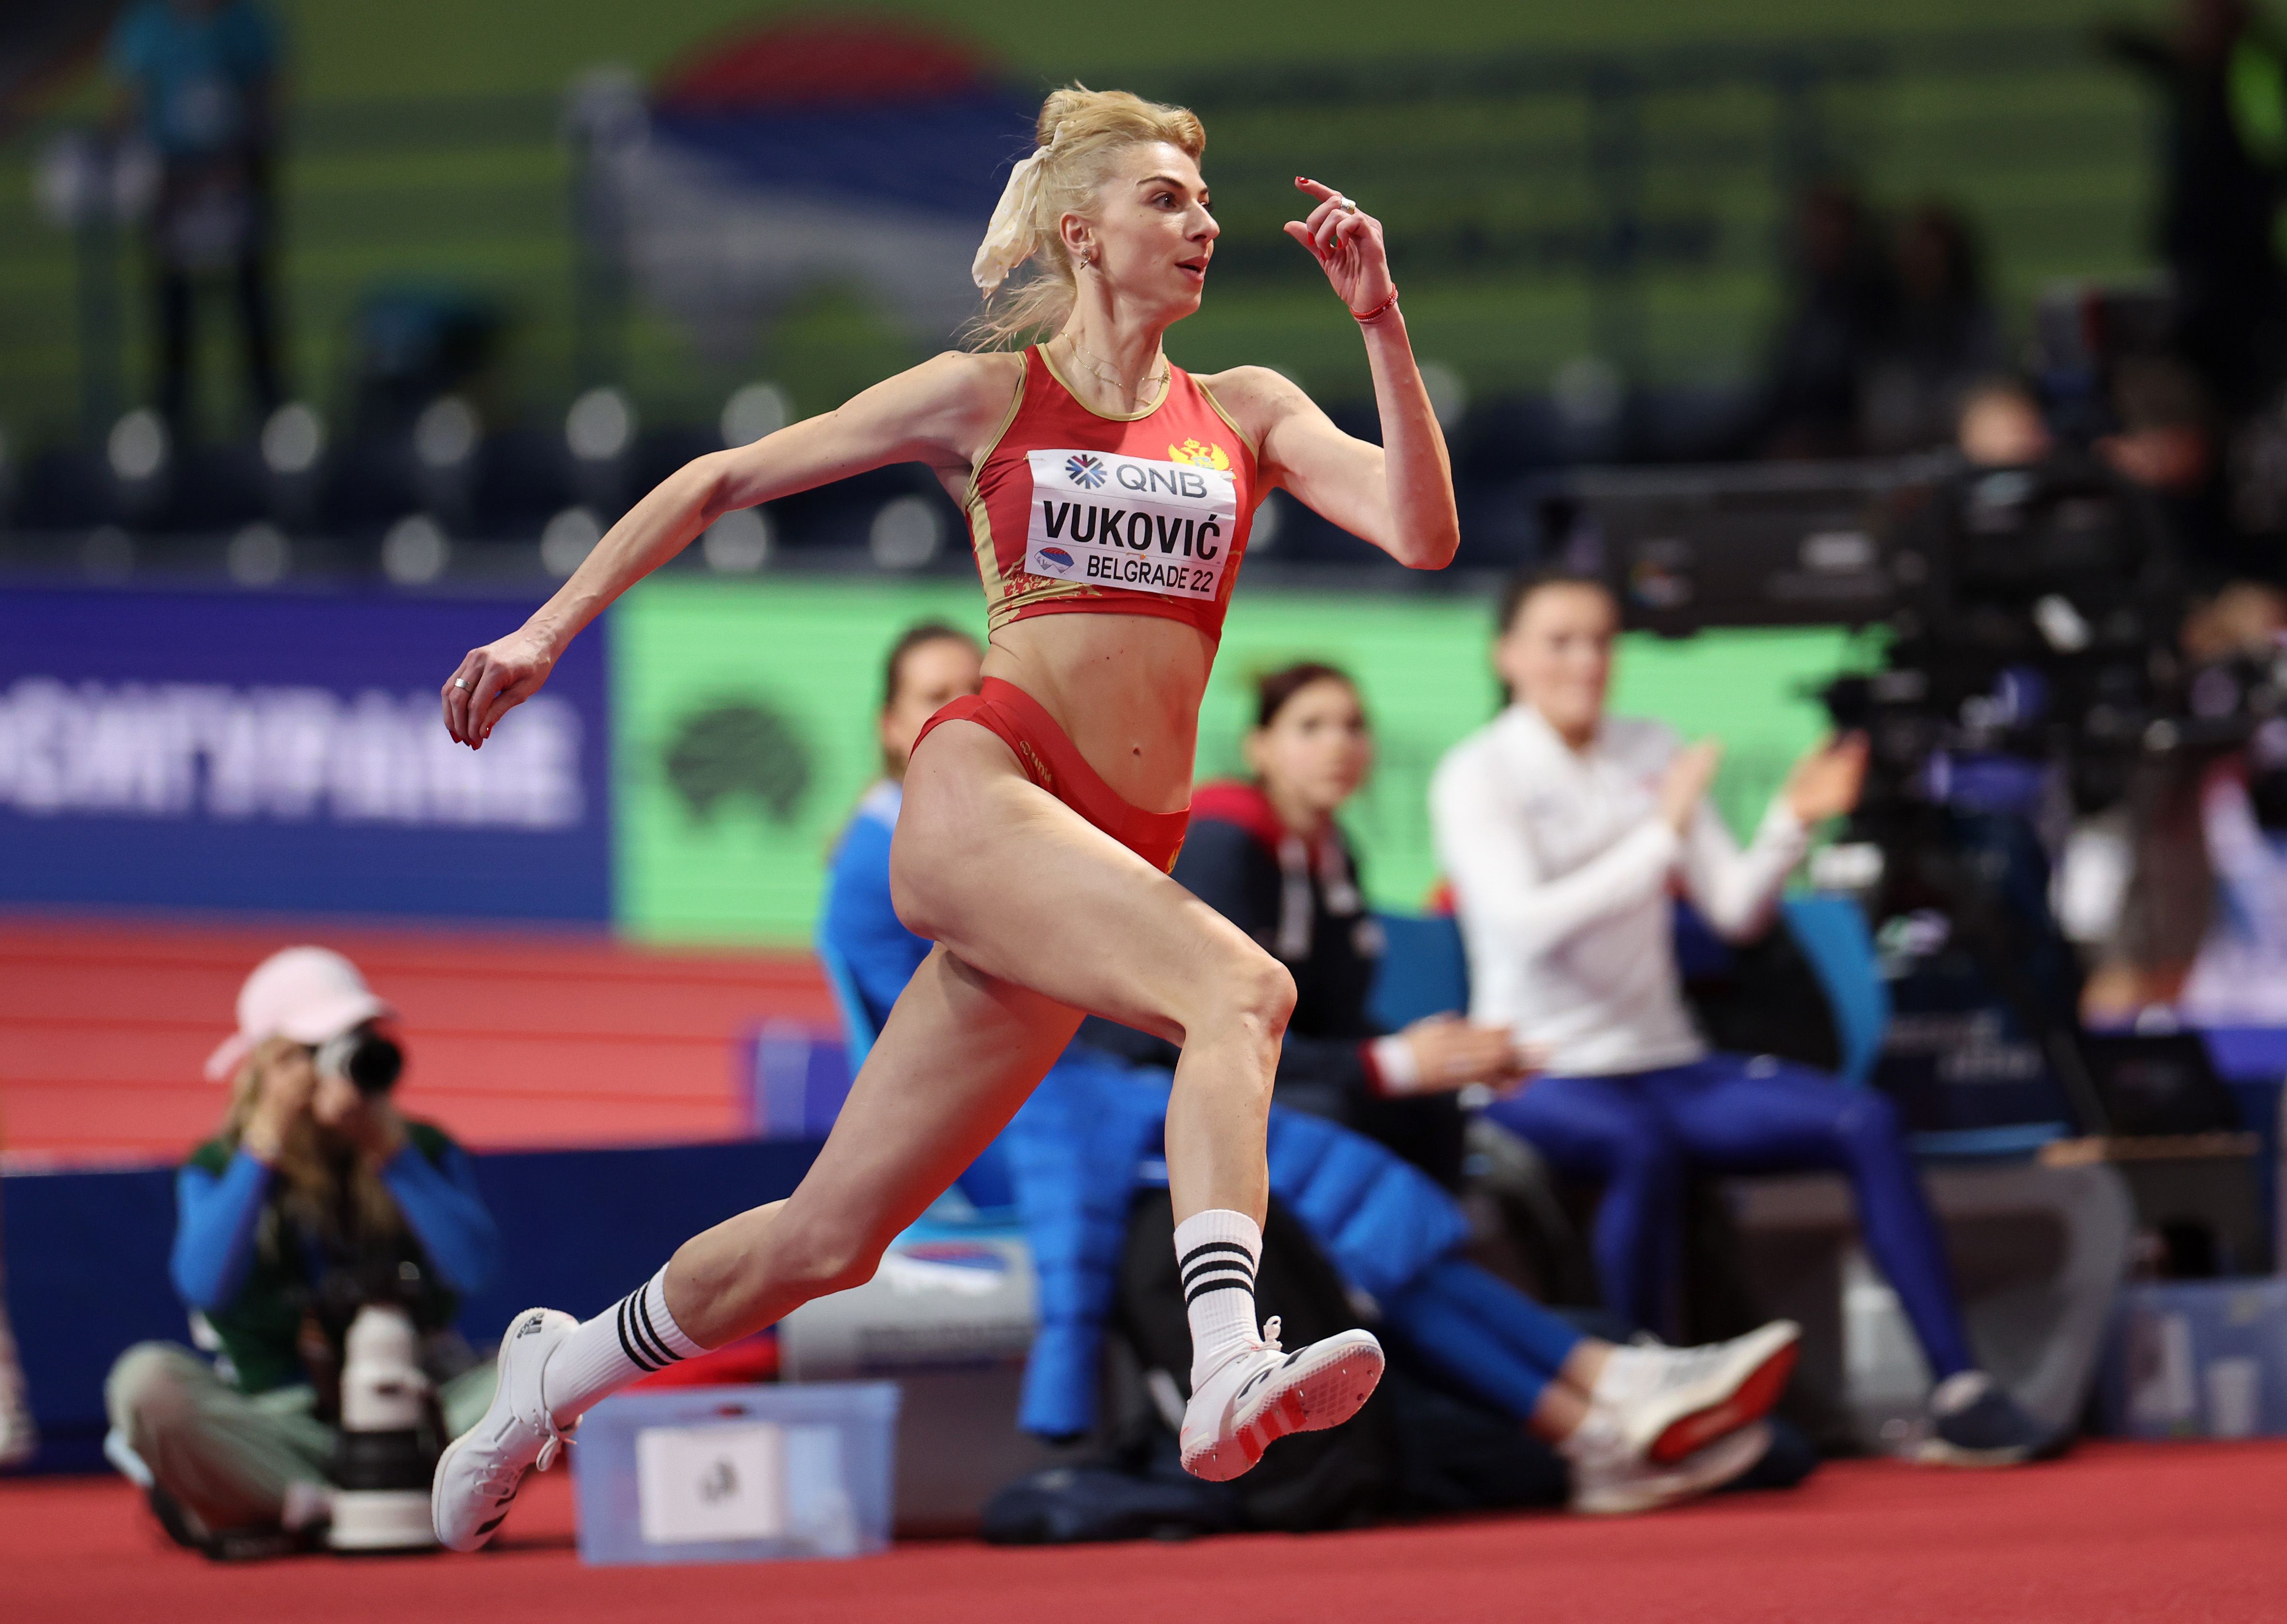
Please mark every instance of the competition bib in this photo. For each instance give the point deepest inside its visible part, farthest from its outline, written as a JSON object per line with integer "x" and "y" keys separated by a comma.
{"x": 1103, "y": 519}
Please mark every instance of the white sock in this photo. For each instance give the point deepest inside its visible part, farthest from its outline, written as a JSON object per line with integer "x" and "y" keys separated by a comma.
{"x": 627, "y": 1341}
{"x": 1216, "y": 1253}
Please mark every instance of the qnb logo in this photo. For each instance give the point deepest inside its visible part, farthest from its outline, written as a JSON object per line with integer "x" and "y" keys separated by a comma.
{"x": 1085, "y": 471}
{"x": 291, "y": 755}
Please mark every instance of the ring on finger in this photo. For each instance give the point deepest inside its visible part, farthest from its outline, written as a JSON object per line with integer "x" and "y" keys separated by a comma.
{"x": 1347, "y": 206}
{"x": 460, "y": 682}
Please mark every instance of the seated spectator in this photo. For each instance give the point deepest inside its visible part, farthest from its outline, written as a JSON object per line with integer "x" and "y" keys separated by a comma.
{"x": 317, "y": 1196}
{"x": 1071, "y": 1156}
{"x": 1564, "y": 832}
{"x": 1268, "y": 856}
{"x": 2169, "y": 446}
{"x": 2000, "y": 425}
{"x": 931, "y": 665}
{"x": 1943, "y": 338}
{"x": 1841, "y": 306}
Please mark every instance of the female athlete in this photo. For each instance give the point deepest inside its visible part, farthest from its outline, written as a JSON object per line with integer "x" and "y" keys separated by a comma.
{"x": 1108, "y": 495}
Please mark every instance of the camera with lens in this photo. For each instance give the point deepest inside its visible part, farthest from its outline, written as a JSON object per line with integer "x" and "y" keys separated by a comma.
{"x": 364, "y": 1058}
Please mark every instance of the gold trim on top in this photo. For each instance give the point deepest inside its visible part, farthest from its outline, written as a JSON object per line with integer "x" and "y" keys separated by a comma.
{"x": 1166, "y": 391}
{"x": 1008, "y": 421}
{"x": 988, "y": 557}
{"x": 1244, "y": 438}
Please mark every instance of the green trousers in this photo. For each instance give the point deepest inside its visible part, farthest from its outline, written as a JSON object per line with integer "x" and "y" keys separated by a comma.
{"x": 227, "y": 1456}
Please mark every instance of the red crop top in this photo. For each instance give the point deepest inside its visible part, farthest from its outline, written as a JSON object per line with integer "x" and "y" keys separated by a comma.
{"x": 1072, "y": 511}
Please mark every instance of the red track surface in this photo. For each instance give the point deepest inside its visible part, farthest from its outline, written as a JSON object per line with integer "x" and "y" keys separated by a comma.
{"x": 2118, "y": 1534}
{"x": 520, "y": 1039}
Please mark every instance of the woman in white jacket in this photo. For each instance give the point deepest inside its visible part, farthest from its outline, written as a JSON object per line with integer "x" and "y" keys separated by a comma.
{"x": 1566, "y": 832}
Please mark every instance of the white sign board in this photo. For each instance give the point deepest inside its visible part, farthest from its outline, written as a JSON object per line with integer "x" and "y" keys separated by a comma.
{"x": 702, "y": 1485}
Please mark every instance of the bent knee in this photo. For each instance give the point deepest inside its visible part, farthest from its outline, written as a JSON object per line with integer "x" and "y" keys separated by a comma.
{"x": 1247, "y": 993}
{"x": 146, "y": 1390}
{"x": 820, "y": 1263}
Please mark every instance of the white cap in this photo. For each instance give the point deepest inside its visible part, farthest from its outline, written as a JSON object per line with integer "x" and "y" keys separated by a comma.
{"x": 309, "y": 994}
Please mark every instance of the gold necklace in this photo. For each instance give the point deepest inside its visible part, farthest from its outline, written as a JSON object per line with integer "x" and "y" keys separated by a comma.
{"x": 1107, "y": 374}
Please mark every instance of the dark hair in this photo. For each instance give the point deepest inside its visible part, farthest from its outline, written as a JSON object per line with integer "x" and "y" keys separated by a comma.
{"x": 1528, "y": 584}
{"x": 893, "y": 668}
{"x": 1272, "y": 691}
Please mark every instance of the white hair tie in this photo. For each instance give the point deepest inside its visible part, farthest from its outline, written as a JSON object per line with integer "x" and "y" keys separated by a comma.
{"x": 1014, "y": 233}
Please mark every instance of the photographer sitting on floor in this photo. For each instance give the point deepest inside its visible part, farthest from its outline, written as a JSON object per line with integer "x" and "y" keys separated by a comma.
{"x": 316, "y": 1197}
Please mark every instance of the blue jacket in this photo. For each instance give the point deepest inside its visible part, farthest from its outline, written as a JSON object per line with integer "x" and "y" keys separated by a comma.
{"x": 1075, "y": 1154}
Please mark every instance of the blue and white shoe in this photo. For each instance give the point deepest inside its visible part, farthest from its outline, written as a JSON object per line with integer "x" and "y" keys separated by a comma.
{"x": 1974, "y": 1423}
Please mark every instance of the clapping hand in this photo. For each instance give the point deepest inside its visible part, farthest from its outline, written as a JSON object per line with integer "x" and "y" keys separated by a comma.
{"x": 1685, "y": 783}
{"x": 1825, "y": 783}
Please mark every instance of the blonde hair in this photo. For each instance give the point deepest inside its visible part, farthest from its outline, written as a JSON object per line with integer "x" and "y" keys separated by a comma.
{"x": 322, "y": 1192}
{"x": 1080, "y": 136}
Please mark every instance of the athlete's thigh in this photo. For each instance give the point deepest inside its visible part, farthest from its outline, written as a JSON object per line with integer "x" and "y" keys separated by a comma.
{"x": 1739, "y": 1114}
{"x": 957, "y": 1054}
{"x": 1021, "y": 887}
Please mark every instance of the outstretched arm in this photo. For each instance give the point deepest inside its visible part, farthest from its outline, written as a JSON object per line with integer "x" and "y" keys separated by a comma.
{"x": 939, "y": 413}
{"x": 1398, "y": 494}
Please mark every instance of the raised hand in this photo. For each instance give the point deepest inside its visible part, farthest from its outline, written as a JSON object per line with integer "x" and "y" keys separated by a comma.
{"x": 1348, "y": 245}
{"x": 1825, "y": 783}
{"x": 285, "y": 1077}
{"x": 492, "y": 680}
{"x": 1686, "y": 781}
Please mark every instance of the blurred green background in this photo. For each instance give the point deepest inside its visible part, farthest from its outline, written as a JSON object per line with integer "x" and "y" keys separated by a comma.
{"x": 424, "y": 148}
{"x": 732, "y": 848}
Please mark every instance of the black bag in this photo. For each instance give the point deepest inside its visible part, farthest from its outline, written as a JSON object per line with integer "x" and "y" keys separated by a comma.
{"x": 1343, "y": 1477}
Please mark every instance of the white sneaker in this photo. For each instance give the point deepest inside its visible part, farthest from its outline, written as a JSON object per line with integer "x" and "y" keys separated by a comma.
{"x": 1671, "y": 1402}
{"x": 1610, "y": 1480}
{"x": 1260, "y": 1393}
{"x": 479, "y": 1472}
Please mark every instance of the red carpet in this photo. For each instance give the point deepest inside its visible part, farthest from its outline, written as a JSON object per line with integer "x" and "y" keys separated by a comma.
{"x": 2118, "y": 1534}
{"x": 518, "y": 1039}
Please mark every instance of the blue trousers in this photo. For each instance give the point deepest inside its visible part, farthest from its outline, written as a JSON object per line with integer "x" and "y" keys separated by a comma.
{"x": 1481, "y": 1334}
{"x": 1639, "y": 1135}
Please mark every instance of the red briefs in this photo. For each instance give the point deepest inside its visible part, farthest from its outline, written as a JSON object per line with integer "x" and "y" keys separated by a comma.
{"x": 1052, "y": 760}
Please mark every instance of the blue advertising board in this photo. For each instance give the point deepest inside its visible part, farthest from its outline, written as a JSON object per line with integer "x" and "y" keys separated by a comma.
{"x": 286, "y": 752}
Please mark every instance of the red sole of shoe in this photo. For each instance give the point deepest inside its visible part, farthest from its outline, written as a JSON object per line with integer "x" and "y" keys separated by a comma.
{"x": 1750, "y": 1401}
{"x": 1320, "y": 1400}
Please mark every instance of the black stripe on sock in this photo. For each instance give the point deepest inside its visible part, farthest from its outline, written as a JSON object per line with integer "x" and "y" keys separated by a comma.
{"x": 1197, "y": 1292}
{"x": 643, "y": 1317}
{"x": 642, "y": 1361}
{"x": 1184, "y": 1262}
{"x": 1217, "y": 1265}
{"x": 640, "y": 1324}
